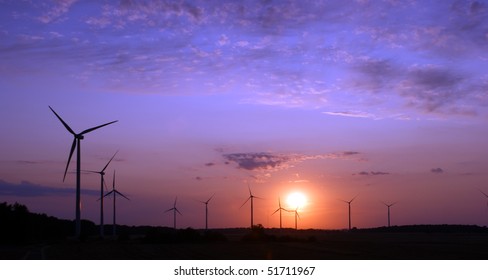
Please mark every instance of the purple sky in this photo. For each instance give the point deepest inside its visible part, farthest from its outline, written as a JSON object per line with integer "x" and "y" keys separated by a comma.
{"x": 387, "y": 100}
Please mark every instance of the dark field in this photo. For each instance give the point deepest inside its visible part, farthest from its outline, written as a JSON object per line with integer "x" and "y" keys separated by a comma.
{"x": 403, "y": 243}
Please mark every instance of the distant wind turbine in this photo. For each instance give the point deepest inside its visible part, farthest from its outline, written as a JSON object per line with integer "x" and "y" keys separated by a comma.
{"x": 76, "y": 144}
{"x": 115, "y": 192}
{"x": 279, "y": 209}
{"x": 102, "y": 183}
{"x": 349, "y": 206}
{"x": 296, "y": 217}
{"x": 486, "y": 195}
{"x": 388, "y": 205}
{"x": 251, "y": 197}
{"x": 174, "y": 209}
{"x": 206, "y": 210}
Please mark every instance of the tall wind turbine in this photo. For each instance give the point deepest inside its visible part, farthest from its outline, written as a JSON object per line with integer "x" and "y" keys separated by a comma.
{"x": 76, "y": 144}
{"x": 115, "y": 192}
{"x": 251, "y": 197}
{"x": 174, "y": 209}
{"x": 102, "y": 183}
{"x": 206, "y": 211}
{"x": 349, "y": 206}
{"x": 389, "y": 205}
{"x": 279, "y": 209}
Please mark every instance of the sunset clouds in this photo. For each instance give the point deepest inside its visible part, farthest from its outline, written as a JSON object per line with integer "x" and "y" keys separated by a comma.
{"x": 351, "y": 59}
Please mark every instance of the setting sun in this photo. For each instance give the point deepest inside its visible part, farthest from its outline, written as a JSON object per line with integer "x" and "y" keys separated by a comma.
{"x": 296, "y": 200}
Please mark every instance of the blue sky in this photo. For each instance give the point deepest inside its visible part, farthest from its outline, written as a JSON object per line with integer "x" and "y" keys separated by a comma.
{"x": 386, "y": 99}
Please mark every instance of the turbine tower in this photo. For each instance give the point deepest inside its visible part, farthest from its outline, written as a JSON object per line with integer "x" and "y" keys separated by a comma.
{"x": 115, "y": 192}
{"x": 102, "y": 183}
{"x": 349, "y": 206}
{"x": 174, "y": 209}
{"x": 279, "y": 209}
{"x": 206, "y": 211}
{"x": 251, "y": 197}
{"x": 389, "y": 205}
{"x": 76, "y": 144}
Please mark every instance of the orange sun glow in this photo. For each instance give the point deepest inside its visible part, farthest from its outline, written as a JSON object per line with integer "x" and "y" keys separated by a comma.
{"x": 296, "y": 200}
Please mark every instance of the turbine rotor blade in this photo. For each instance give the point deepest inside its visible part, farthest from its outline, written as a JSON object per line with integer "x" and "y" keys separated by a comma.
{"x": 109, "y": 193}
{"x": 109, "y": 162}
{"x": 96, "y": 127}
{"x": 245, "y": 202}
{"x": 178, "y": 211}
{"x": 483, "y": 193}
{"x": 64, "y": 123}
{"x": 116, "y": 191}
{"x": 73, "y": 146}
{"x": 113, "y": 181}
{"x": 168, "y": 210}
{"x": 174, "y": 205}
{"x": 276, "y": 211}
{"x": 210, "y": 198}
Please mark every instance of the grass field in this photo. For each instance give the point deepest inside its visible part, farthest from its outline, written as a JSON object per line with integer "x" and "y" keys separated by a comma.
{"x": 306, "y": 244}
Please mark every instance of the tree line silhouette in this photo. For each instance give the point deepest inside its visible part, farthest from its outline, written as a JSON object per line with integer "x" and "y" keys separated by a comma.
{"x": 19, "y": 225}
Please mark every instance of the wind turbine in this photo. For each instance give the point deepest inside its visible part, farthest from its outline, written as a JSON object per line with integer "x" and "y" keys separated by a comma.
{"x": 296, "y": 216}
{"x": 251, "y": 197}
{"x": 174, "y": 209}
{"x": 76, "y": 144}
{"x": 206, "y": 210}
{"x": 115, "y": 192}
{"x": 279, "y": 209}
{"x": 389, "y": 205}
{"x": 349, "y": 204}
{"x": 102, "y": 183}
{"x": 486, "y": 195}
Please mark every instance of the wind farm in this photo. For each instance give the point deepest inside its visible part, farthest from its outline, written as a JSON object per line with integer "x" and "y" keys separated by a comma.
{"x": 234, "y": 107}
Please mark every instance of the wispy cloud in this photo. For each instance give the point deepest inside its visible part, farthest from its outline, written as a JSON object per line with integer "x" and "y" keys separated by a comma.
{"x": 437, "y": 170}
{"x": 264, "y": 161}
{"x": 27, "y": 189}
{"x": 59, "y": 8}
{"x": 352, "y": 114}
{"x": 372, "y": 173}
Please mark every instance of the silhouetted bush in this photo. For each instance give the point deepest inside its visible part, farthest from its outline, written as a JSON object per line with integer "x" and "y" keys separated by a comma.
{"x": 257, "y": 234}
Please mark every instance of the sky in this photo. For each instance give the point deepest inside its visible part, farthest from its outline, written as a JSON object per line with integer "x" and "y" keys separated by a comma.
{"x": 381, "y": 101}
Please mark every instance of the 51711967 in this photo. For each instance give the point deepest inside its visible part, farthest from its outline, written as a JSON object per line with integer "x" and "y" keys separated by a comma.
{"x": 294, "y": 270}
